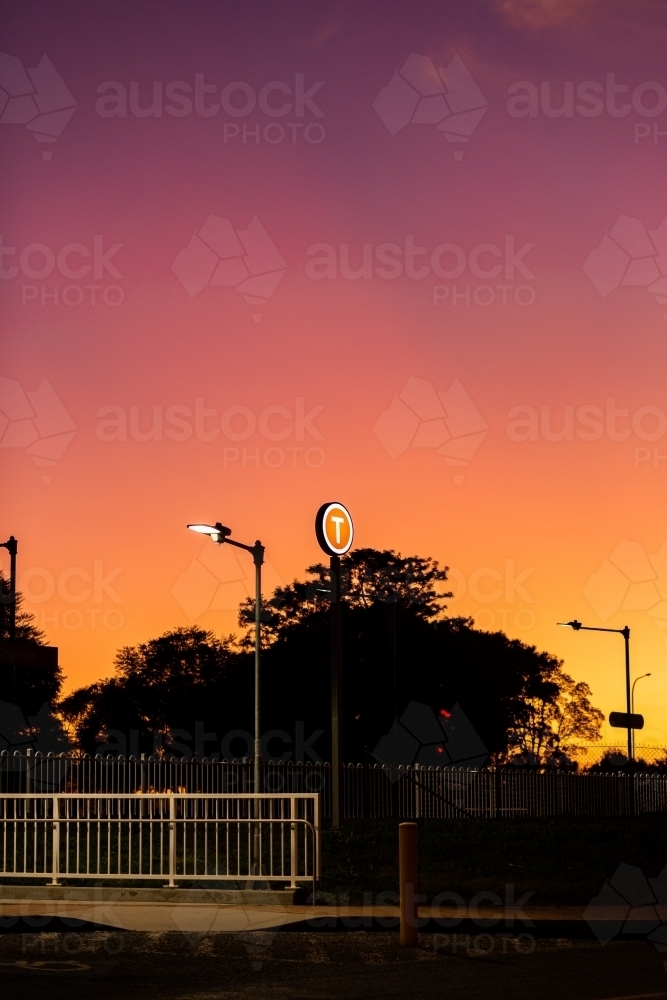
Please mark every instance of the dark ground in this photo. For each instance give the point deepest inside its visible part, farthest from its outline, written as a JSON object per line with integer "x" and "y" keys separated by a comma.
{"x": 561, "y": 859}
{"x": 321, "y": 967}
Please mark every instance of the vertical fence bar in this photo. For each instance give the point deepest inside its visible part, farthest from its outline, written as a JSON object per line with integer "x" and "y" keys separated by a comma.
{"x": 172, "y": 841}
{"x": 317, "y": 847}
{"x": 293, "y": 842}
{"x": 55, "y": 843}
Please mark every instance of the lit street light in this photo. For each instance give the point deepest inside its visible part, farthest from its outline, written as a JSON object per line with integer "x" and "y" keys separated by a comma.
{"x": 625, "y": 632}
{"x": 632, "y": 696}
{"x": 632, "y": 700}
{"x": 220, "y": 534}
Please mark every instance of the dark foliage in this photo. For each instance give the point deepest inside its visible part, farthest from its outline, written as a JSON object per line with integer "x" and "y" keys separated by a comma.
{"x": 28, "y": 687}
{"x": 397, "y": 646}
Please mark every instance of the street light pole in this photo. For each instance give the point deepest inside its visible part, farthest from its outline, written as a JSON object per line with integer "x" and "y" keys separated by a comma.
{"x": 625, "y": 632}
{"x": 220, "y": 534}
{"x": 12, "y": 546}
{"x": 258, "y": 558}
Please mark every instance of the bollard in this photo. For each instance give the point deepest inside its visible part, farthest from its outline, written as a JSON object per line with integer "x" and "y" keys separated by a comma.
{"x": 407, "y": 875}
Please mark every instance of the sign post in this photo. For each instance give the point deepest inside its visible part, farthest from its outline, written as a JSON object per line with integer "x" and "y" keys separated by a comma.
{"x": 335, "y": 532}
{"x": 626, "y": 720}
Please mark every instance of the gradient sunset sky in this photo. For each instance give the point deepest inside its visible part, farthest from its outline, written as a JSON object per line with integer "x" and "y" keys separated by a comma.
{"x": 252, "y": 283}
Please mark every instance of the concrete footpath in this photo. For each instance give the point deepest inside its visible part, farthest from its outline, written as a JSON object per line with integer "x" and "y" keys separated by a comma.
{"x": 214, "y": 917}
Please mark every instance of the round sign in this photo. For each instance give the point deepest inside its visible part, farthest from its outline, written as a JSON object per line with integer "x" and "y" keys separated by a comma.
{"x": 334, "y": 528}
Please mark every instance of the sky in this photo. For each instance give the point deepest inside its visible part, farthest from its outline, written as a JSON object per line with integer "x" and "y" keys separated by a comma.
{"x": 410, "y": 258}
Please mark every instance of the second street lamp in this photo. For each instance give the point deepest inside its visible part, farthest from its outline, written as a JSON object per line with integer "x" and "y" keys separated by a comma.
{"x": 220, "y": 534}
{"x": 625, "y": 632}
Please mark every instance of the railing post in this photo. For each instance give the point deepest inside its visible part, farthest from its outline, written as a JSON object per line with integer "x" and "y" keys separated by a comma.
{"x": 293, "y": 843}
{"x": 28, "y": 770}
{"x": 318, "y": 842}
{"x": 172, "y": 841}
{"x": 418, "y": 792}
{"x": 55, "y": 844}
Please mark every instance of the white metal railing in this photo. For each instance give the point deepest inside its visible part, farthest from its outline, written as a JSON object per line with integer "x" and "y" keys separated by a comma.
{"x": 161, "y": 835}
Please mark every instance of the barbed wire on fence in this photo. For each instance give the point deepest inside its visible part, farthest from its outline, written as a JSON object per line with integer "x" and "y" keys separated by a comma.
{"x": 370, "y": 791}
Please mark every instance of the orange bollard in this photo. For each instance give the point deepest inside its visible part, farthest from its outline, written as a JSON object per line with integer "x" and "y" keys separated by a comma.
{"x": 407, "y": 876}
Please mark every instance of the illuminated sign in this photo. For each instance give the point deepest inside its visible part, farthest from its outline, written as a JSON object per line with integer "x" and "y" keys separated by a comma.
{"x": 334, "y": 529}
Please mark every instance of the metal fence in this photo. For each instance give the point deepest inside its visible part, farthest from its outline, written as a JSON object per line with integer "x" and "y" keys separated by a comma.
{"x": 174, "y": 836}
{"x": 370, "y": 791}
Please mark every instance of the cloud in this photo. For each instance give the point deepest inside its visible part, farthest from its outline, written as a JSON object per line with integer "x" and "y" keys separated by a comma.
{"x": 542, "y": 13}
{"x": 323, "y": 34}
{"x": 614, "y": 22}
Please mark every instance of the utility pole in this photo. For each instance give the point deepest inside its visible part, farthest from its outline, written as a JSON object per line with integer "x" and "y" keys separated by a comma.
{"x": 336, "y": 693}
{"x": 12, "y": 546}
{"x": 335, "y": 533}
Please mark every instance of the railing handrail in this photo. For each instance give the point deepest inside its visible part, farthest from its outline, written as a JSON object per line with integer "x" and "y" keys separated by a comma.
{"x": 140, "y": 835}
{"x": 157, "y": 795}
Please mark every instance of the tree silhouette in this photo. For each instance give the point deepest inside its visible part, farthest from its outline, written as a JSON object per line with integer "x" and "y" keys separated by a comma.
{"x": 27, "y": 685}
{"x": 26, "y": 630}
{"x": 398, "y": 646}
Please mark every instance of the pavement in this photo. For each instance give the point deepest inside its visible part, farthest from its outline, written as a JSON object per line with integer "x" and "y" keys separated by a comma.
{"x": 205, "y": 917}
{"x": 263, "y": 965}
{"x": 110, "y": 947}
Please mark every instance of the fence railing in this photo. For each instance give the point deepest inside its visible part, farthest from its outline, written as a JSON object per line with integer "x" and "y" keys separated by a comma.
{"x": 167, "y": 836}
{"x": 370, "y": 791}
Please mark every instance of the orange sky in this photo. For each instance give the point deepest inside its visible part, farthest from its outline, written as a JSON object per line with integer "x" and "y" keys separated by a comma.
{"x": 478, "y": 302}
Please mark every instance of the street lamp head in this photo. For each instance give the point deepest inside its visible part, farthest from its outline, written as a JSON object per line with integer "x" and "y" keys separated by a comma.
{"x": 573, "y": 624}
{"x": 217, "y": 531}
